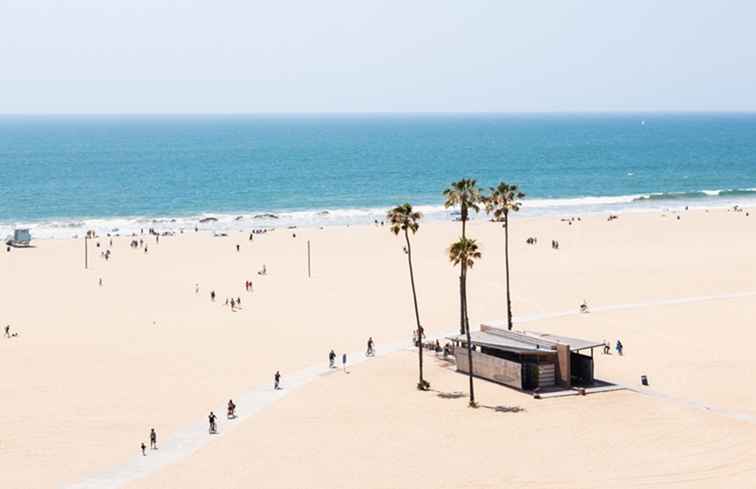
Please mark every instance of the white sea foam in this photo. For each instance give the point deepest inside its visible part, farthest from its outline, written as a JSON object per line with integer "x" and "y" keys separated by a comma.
{"x": 246, "y": 221}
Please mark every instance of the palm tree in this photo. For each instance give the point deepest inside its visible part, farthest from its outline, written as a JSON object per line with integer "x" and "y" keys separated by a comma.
{"x": 464, "y": 253}
{"x": 403, "y": 218}
{"x": 466, "y": 195}
{"x": 504, "y": 198}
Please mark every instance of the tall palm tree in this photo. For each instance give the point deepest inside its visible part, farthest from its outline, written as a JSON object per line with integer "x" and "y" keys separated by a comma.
{"x": 465, "y": 194}
{"x": 464, "y": 253}
{"x": 404, "y": 219}
{"x": 503, "y": 199}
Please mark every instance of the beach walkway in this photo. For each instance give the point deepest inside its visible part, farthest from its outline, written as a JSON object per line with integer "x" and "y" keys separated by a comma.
{"x": 191, "y": 438}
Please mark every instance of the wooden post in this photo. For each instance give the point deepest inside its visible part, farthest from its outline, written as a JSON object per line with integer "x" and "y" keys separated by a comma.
{"x": 309, "y": 274}
{"x": 564, "y": 368}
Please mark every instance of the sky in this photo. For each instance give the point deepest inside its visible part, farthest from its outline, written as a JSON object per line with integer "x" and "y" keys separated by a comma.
{"x": 343, "y": 56}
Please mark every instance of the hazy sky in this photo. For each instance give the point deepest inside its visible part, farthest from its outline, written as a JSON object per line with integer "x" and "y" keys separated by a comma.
{"x": 376, "y": 55}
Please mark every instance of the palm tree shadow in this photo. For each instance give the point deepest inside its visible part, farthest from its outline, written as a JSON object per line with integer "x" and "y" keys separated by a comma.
{"x": 450, "y": 395}
{"x": 504, "y": 409}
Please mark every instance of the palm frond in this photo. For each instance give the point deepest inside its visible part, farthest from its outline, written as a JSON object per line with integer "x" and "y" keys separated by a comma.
{"x": 503, "y": 198}
{"x": 463, "y": 193}
{"x": 464, "y": 250}
{"x": 403, "y": 218}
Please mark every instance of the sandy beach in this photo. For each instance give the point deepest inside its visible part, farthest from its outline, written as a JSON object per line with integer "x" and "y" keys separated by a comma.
{"x": 94, "y": 367}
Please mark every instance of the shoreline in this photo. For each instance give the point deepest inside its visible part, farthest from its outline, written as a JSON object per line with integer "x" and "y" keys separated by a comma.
{"x": 224, "y": 222}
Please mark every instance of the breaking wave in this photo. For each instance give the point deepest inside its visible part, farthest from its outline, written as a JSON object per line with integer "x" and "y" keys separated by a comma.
{"x": 246, "y": 221}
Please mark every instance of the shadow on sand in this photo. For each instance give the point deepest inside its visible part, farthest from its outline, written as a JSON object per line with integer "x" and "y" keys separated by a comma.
{"x": 459, "y": 395}
{"x": 449, "y": 395}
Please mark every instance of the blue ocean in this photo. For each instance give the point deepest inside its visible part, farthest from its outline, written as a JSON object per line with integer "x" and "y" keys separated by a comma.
{"x": 63, "y": 174}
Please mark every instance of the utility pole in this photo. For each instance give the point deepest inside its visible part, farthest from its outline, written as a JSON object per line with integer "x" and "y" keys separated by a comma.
{"x": 309, "y": 274}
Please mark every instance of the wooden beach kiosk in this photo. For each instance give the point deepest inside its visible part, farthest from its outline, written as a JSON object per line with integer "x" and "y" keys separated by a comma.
{"x": 527, "y": 360}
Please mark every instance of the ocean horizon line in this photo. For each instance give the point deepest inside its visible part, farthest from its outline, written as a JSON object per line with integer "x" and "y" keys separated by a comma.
{"x": 308, "y": 114}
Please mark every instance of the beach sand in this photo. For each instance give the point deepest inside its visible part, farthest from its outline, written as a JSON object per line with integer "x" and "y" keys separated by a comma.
{"x": 95, "y": 367}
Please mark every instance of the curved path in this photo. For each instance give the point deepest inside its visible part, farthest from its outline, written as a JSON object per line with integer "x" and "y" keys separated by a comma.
{"x": 191, "y": 438}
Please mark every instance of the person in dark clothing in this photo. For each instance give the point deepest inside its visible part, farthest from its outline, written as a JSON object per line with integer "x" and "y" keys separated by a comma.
{"x": 211, "y": 420}
{"x": 332, "y": 359}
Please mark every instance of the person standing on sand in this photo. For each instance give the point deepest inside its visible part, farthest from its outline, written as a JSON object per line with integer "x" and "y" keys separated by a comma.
{"x": 370, "y": 351}
{"x": 144, "y": 449}
{"x": 332, "y": 359}
{"x": 211, "y": 420}
{"x": 7, "y": 331}
{"x": 344, "y": 361}
{"x": 277, "y": 381}
{"x": 212, "y": 295}
{"x": 153, "y": 439}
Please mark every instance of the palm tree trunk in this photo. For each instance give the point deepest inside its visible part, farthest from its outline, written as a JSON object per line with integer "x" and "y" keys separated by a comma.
{"x": 461, "y": 293}
{"x": 467, "y": 332}
{"x": 506, "y": 261}
{"x": 421, "y": 382}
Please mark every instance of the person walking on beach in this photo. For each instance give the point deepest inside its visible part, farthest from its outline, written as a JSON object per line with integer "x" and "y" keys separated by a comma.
{"x": 344, "y": 361}
{"x": 144, "y": 449}
{"x": 7, "y": 331}
{"x": 153, "y": 439}
{"x": 619, "y": 347}
{"x": 237, "y": 248}
{"x": 370, "y": 351}
{"x": 277, "y": 381}
{"x": 211, "y": 420}
{"x": 212, "y": 295}
{"x": 332, "y": 359}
